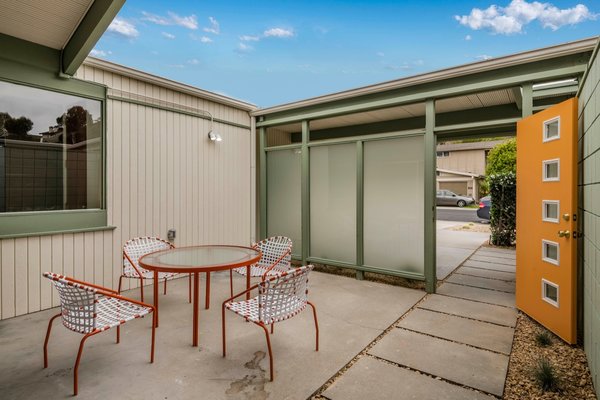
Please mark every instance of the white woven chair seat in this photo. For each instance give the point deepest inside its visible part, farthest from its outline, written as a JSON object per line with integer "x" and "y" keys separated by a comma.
{"x": 147, "y": 274}
{"x": 257, "y": 270}
{"x": 111, "y": 312}
{"x": 249, "y": 308}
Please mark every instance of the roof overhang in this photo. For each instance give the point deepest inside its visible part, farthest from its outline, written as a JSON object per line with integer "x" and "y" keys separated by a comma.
{"x": 468, "y": 174}
{"x": 69, "y": 28}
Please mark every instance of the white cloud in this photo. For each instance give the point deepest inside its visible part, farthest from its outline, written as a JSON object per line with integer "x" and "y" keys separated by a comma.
{"x": 189, "y": 22}
{"x": 514, "y": 17}
{"x": 483, "y": 57}
{"x": 100, "y": 53}
{"x": 123, "y": 28}
{"x": 279, "y": 33}
{"x": 194, "y": 61}
{"x": 249, "y": 38}
{"x": 201, "y": 39}
{"x": 214, "y": 26}
{"x": 244, "y": 48}
{"x": 468, "y": 37}
{"x": 168, "y": 35}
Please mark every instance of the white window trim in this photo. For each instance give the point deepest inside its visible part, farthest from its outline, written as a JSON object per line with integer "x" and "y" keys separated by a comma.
{"x": 546, "y": 162}
{"x": 546, "y": 123}
{"x": 544, "y": 217}
{"x": 544, "y": 255}
{"x": 547, "y": 299}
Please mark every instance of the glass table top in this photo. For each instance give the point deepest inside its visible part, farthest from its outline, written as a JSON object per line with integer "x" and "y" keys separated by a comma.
{"x": 211, "y": 257}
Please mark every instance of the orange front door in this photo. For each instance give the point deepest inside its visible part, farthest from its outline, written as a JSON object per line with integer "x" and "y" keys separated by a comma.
{"x": 547, "y": 218}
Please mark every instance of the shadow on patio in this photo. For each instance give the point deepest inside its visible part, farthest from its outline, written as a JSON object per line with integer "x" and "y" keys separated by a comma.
{"x": 351, "y": 314}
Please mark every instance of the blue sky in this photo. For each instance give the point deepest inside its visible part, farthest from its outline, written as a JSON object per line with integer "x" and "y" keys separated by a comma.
{"x": 274, "y": 52}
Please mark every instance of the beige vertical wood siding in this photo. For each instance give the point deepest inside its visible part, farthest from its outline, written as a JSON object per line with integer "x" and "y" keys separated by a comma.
{"x": 162, "y": 173}
{"x": 472, "y": 161}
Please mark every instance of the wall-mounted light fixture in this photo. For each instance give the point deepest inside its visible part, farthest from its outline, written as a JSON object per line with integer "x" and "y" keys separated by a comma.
{"x": 212, "y": 135}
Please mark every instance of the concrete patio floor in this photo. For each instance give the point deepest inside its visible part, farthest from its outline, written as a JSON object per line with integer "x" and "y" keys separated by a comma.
{"x": 351, "y": 314}
{"x": 454, "y": 247}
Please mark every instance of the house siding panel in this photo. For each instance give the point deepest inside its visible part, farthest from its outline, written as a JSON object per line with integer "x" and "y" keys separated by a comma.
{"x": 162, "y": 173}
{"x": 589, "y": 189}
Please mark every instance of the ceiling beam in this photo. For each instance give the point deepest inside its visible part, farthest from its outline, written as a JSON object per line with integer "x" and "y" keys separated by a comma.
{"x": 90, "y": 29}
{"x": 518, "y": 97}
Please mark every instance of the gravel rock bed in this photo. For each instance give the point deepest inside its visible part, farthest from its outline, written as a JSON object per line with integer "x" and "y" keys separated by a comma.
{"x": 569, "y": 361}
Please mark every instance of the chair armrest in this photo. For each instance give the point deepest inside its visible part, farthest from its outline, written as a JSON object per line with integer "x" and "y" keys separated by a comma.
{"x": 264, "y": 275}
{"x": 91, "y": 285}
{"x": 119, "y": 297}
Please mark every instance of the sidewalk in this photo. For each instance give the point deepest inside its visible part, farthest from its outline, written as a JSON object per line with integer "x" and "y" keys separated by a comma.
{"x": 454, "y": 345}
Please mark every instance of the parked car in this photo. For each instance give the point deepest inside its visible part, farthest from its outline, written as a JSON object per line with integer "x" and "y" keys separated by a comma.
{"x": 448, "y": 198}
{"x": 485, "y": 203}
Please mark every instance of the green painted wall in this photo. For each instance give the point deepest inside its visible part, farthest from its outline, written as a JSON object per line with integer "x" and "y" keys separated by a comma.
{"x": 589, "y": 212}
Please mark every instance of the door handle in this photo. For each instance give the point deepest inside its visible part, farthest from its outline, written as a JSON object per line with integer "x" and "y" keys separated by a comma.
{"x": 564, "y": 234}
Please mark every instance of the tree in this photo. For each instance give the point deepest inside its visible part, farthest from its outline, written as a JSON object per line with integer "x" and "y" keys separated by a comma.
{"x": 502, "y": 158}
{"x": 18, "y": 126}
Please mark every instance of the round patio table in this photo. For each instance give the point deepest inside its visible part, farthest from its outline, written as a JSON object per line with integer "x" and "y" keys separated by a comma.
{"x": 197, "y": 259}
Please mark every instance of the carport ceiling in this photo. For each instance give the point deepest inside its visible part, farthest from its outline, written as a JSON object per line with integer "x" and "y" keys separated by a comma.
{"x": 50, "y": 23}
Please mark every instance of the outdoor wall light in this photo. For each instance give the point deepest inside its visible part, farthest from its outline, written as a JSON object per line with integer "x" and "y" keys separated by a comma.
{"x": 214, "y": 136}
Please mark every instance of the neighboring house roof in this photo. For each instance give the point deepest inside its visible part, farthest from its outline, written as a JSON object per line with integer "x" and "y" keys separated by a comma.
{"x": 484, "y": 145}
{"x": 461, "y": 173}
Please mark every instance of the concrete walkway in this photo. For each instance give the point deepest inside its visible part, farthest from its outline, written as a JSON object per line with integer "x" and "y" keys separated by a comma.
{"x": 454, "y": 247}
{"x": 454, "y": 345}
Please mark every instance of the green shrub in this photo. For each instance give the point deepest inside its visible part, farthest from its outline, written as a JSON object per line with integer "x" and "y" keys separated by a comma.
{"x": 502, "y": 158}
{"x": 545, "y": 375}
{"x": 543, "y": 339}
{"x": 503, "y": 213}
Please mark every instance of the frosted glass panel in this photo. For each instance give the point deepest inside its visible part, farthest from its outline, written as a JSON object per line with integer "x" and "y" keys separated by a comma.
{"x": 333, "y": 202}
{"x": 393, "y": 204}
{"x": 283, "y": 196}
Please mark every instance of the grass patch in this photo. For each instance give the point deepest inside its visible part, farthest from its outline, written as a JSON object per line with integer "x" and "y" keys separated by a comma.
{"x": 543, "y": 339}
{"x": 545, "y": 375}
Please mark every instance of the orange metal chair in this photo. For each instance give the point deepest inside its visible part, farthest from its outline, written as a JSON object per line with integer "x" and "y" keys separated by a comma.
{"x": 137, "y": 247}
{"x": 279, "y": 298}
{"x": 90, "y": 309}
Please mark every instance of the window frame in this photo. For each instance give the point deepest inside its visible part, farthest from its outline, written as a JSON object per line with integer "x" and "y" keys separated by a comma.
{"x": 548, "y": 300}
{"x": 545, "y": 254}
{"x": 47, "y": 222}
{"x": 546, "y": 123}
{"x": 545, "y": 218}
{"x": 548, "y": 162}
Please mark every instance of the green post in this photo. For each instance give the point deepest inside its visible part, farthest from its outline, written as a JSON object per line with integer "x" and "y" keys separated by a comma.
{"x": 305, "y": 192}
{"x": 360, "y": 261}
{"x": 429, "y": 192}
{"x": 527, "y": 99}
{"x": 262, "y": 182}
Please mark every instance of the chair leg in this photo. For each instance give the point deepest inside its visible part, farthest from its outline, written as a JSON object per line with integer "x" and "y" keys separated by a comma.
{"x": 118, "y": 334}
{"x": 269, "y": 348}
{"x": 120, "y": 280}
{"x": 207, "y": 299}
{"x": 76, "y": 368}
{"x": 223, "y": 329}
{"x": 48, "y": 338}
{"x": 165, "y": 288}
{"x": 142, "y": 288}
{"x": 272, "y": 328}
{"x": 316, "y": 323}
{"x": 190, "y": 288}
{"x": 153, "y": 337}
{"x": 231, "y": 282}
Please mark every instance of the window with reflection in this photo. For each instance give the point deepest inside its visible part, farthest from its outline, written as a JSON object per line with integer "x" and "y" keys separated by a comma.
{"x": 50, "y": 150}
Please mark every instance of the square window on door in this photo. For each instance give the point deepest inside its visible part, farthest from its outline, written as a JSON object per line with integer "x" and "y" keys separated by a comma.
{"x": 550, "y": 292}
{"x": 550, "y": 252}
{"x": 550, "y": 210}
{"x": 552, "y": 129}
{"x": 551, "y": 170}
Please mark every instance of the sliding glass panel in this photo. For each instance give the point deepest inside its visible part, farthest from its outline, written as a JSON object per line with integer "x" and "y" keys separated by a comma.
{"x": 333, "y": 202}
{"x": 393, "y": 204}
{"x": 283, "y": 196}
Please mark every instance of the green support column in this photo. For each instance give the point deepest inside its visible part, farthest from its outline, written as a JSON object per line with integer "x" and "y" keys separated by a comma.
{"x": 360, "y": 261}
{"x": 262, "y": 132}
{"x": 527, "y": 99}
{"x": 430, "y": 190}
{"x": 305, "y": 193}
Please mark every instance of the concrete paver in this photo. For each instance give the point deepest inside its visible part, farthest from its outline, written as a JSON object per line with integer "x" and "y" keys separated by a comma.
{"x": 484, "y": 283}
{"x": 489, "y": 265}
{"x": 374, "y": 379}
{"x": 496, "y": 260}
{"x": 472, "y": 309}
{"x": 479, "y": 369}
{"x": 507, "y": 255}
{"x": 477, "y": 294}
{"x": 468, "y": 331}
{"x": 487, "y": 273}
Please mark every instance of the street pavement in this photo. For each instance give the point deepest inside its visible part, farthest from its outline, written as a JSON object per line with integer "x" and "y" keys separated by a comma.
{"x": 457, "y": 214}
